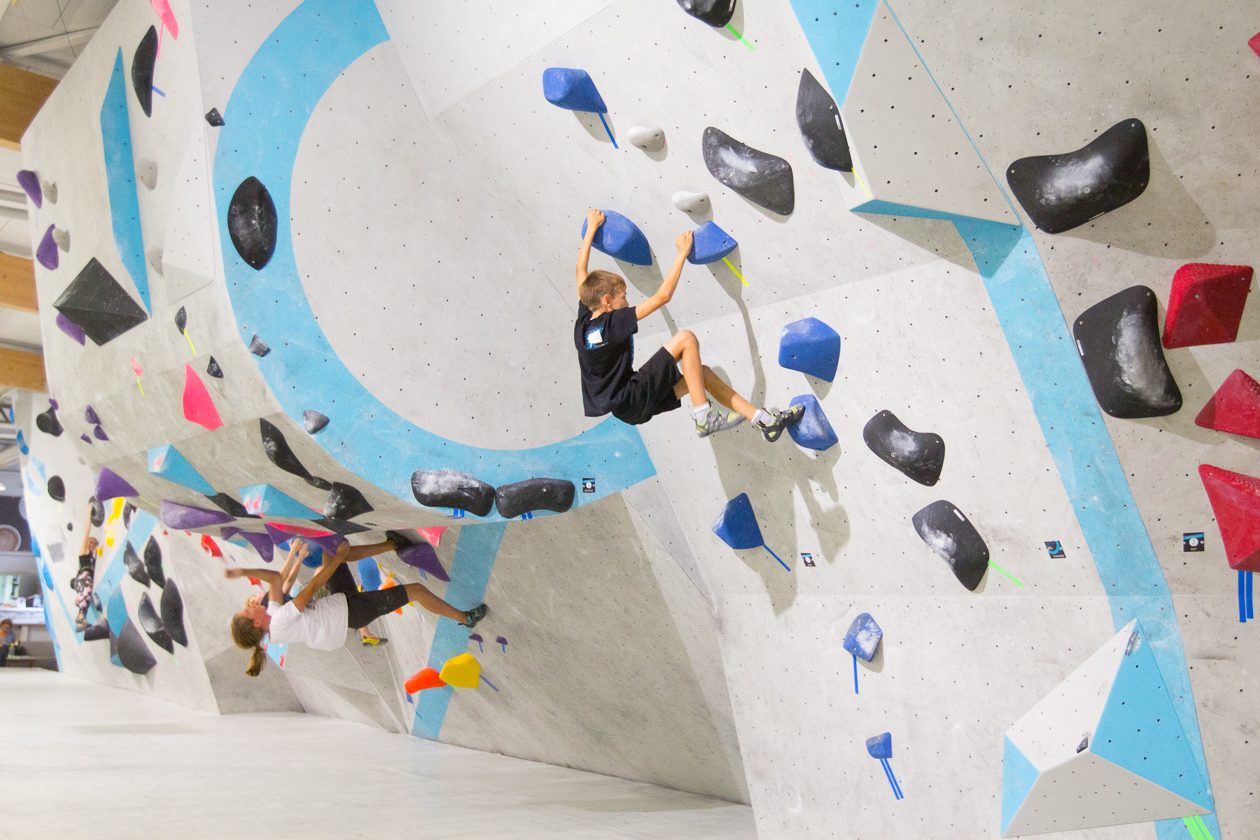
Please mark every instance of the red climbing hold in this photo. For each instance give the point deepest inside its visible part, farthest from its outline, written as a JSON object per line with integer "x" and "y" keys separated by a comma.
{"x": 420, "y": 680}
{"x": 198, "y": 407}
{"x": 1234, "y": 408}
{"x": 1254, "y": 43}
{"x": 1206, "y": 304}
{"x": 1235, "y": 500}
{"x": 209, "y": 546}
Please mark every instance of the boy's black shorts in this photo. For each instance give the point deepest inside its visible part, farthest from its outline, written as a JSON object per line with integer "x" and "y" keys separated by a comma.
{"x": 650, "y": 390}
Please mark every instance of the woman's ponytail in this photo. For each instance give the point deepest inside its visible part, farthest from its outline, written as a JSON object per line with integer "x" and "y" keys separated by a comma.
{"x": 247, "y": 635}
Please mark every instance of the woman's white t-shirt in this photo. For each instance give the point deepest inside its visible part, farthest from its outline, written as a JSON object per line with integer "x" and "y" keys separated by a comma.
{"x": 322, "y": 625}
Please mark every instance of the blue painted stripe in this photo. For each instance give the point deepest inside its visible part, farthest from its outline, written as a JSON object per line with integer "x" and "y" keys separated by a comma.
{"x": 475, "y": 554}
{"x": 836, "y": 32}
{"x": 1018, "y": 777}
{"x": 120, "y": 174}
{"x": 265, "y": 118}
{"x": 1242, "y": 596}
{"x": 1251, "y": 601}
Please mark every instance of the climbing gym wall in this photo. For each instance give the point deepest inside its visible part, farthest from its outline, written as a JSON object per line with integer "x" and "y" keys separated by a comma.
{"x": 313, "y": 271}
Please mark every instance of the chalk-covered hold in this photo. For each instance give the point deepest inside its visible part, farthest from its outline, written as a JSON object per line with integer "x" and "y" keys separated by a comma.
{"x": 863, "y": 637}
{"x": 172, "y": 609}
{"x": 647, "y": 138}
{"x": 821, "y": 127}
{"x": 948, "y": 532}
{"x": 152, "y": 623}
{"x": 813, "y": 430}
{"x": 810, "y": 346}
{"x": 716, "y": 13}
{"x": 451, "y": 489}
{"x": 62, "y": 237}
{"x": 691, "y": 202}
{"x": 919, "y": 456}
{"x": 758, "y": 176}
{"x": 880, "y": 746}
{"x": 153, "y": 562}
{"x": 132, "y": 651}
{"x": 135, "y": 566}
{"x": 555, "y": 494}
{"x": 313, "y": 421}
{"x": 573, "y": 89}
{"x": 709, "y": 244}
{"x": 621, "y": 239}
{"x": 1118, "y": 340}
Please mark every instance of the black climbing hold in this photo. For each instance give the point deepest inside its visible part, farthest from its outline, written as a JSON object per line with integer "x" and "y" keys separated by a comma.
{"x": 57, "y": 488}
{"x": 340, "y": 527}
{"x": 213, "y": 369}
{"x": 181, "y": 319}
{"x": 345, "y": 502}
{"x": 96, "y": 303}
{"x": 153, "y": 562}
{"x": 96, "y": 602}
{"x": 821, "y": 128}
{"x": 448, "y": 488}
{"x": 313, "y": 421}
{"x": 252, "y": 222}
{"x": 716, "y": 13}
{"x": 96, "y": 632}
{"x": 761, "y": 178}
{"x": 129, "y": 510}
{"x": 142, "y": 70}
{"x": 135, "y": 566}
{"x": 214, "y": 117}
{"x": 1119, "y": 342}
{"x": 1060, "y": 192}
{"x": 258, "y": 347}
{"x": 173, "y": 613}
{"x": 48, "y": 423}
{"x": 955, "y": 540}
{"x": 918, "y": 455}
{"x": 132, "y": 650}
{"x": 98, "y": 512}
{"x": 227, "y": 504}
{"x": 534, "y": 494}
{"x": 152, "y": 624}
{"x": 280, "y": 454}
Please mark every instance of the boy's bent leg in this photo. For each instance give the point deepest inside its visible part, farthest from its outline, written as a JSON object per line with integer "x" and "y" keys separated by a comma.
{"x": 727, "y": 395}
{"x": 685, "y": 348}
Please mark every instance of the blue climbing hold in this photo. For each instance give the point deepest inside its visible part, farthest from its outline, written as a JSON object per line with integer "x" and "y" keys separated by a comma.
{"x": 880, "y": 746}
{"x": 709, "y": 244}
{"x": 572, "y": 89}
{"x": 21, "y": 443}
{"x": 167, "y": 462}
{"x": 737, "y": 526}
{"x": 813, "y": 430}
{"x": 810, "y": 346}
{"x": 863, "y": 640}
{"x": 369, "y": 575}
{"x": 621, "y": 239}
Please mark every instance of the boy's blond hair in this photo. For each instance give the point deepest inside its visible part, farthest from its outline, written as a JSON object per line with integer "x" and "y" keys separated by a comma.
{"x": 597, "y": 284}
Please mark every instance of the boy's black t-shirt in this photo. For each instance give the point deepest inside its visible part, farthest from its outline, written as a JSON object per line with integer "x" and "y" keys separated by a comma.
{"x": 605, "y": 348}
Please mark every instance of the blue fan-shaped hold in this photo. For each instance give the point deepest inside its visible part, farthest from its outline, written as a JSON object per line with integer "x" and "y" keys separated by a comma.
{"x": 810, "y": 346}
{"x": 880, "y": 746}
{"x": 621, "y": 239}
{"x": 709, "y": 244}
{"x": 572, "y": 89}
{"x": 862, "y": 640}
{"x": 813, "y": 430}
{"x": 737, "y": 526}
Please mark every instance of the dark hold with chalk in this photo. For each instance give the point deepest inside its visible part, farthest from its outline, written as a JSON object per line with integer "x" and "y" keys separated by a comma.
{"x": 48, "y": 423}
{"x": 172, "y": 608}
{"x": 762, "y": 178}
{"x": 252, "y": 223}
{"x": 448, "y": 488}
{"x": 153, "y": 562}
{"x": 98, "y": 512}
{"x": 554, "y": 494}
{"x": 132, "y": 650}
{"x": 258, "y": 347}
{"x": 1119, "y": 344}
{"x": 97, "y": 631}
{"x": 181, "y": 319}
{"x": 313, "y": 421}
{"x": 142, "y": 64}
{"x": 129, "y": 512}
{"x": 345, "y": 502}
{"x": 339, "y": 526}
{"x": 135, "y": 566}
{"x": 820, "y": 124}
{"x": 227, "y": 504}
{"x": 955, "y": 540}
{"x": 212, "y": 368}
{"x": 214, "y": 117}
{"x": 919, "y": 456}
{"x": 57, "y": 488}
{"x": 152, "y": 624}
{"x": 1083, "y": 745}
{"x": 716, "y": 13}
{"x": 281, "y": 454}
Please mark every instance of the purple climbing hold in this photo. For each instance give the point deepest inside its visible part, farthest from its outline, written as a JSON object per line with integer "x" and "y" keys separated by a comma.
{"x": 71, "y": 329}
{"x": 261, "y": 542}
{"x": 99, "y": 433}
{"x": 46, "y": 252}
{"x": 110, "y": 485}
{"x": 90, "y": 415}
{"x": 83, "y": 437}
{"x": 422, "y": 556}
{"x": 186, "y": 517}
{"x": 29, "y": 182}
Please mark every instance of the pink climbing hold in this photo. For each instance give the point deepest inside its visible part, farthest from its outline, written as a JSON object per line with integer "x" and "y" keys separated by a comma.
{"x": 198, "y": 407}
{"x": 1206, "y": 304}
{"x": 164, "y": 13}
{"x": 1254, "y": 43}
{"x": 432, "y": 535}
{"x": 1235, "y": 500}
{"x": 1234, "y": 408}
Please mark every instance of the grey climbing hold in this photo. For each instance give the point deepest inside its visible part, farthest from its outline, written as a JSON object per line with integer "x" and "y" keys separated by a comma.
{"x": 62, "y": 237}
{"x": 172, "y": 608}
{"x": 448, "y": 488}
{"x": 1119, "y": 344}
{"x": 554, "y": 494}
{"x": 135, "y": 566}
{"x": 919, "y": 456}
{"x": 647, "y": 138}
{"x": 691, "y": 202}
{"x": 258, "y": 347}
{"x": 955, "y": 540}
{"x": 758, "y": 176}
{"x": 716, "y": 13}
{"x": 132, "y": 651}
{"x": 154, "y": 257}
{"x": 50, "y": 193}
{"x": 820, "y": 124}
{"x": 181, "y": 319}
{"x": 313, "y": 421}
{"x": 152, "y": 624}
{"x": 279, "y": 453}
{"x": 212, "y": 368}
{"x": 345, "y": 502}
{"x": 153, "y": 562}
{"x": 146, "y": 171}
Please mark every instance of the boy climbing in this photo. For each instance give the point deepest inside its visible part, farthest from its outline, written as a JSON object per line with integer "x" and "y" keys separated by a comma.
{"x": 604, "y": 337}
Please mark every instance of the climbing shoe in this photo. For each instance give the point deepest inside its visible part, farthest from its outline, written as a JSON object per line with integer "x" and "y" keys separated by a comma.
{"x": 398, "y": 538}
{"x": 474, "y": 615}
{"x": 717, "y": 420}
{"x": 773, "y": 430}
{"x": 373, "y": 641}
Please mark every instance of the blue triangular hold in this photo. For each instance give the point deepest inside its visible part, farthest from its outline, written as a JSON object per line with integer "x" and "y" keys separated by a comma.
{"x": 737, "y": 526}
{"x": 1139, "y": 729}
{"x": 1018, "y": 776}
{"x": 572, "y": 89}
{"x": 710, "y": 243}
{"x": 167, "y": 462}
{"x": 810, "y": 346}
{"x": 265, "y": 499}
{"x": 621, "y": 239}
{"x": 813, "y": 430}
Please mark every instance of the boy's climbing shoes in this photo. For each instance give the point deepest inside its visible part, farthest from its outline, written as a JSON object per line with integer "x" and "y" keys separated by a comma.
{"x": 717, "y": 420}
{"x": 773, "y": 430}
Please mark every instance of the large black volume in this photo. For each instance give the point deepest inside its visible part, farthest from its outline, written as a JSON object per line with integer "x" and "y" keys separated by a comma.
{"x": 820, "y": 124}
{"x": 142, "y": 64}
{"x": 918, "y": 455}
{"x": 1118, "y": 339}
{"x": 955, "y": 540}
{"x": 252, "y": 222}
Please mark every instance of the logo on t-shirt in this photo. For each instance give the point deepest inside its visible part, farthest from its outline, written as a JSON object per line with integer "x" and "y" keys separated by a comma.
{"x": 594, "y": 338}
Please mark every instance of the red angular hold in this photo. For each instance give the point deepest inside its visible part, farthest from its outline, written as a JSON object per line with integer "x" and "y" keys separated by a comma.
{"x": 1206, "y": 304}
{"x": 1234, "y": 408}
{"x": 1235, "y": 501}
{"x": 1254, "y": 43}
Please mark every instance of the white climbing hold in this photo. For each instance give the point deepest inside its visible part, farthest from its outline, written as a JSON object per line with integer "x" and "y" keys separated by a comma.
{"x": 62, "y": 238}
{"x": 146, "y": 170}
{"x": 50, "y": 191}
{"x": 647, "y": 138}
{"x": 155, "y": 259}
{"x": 691, "y": 202}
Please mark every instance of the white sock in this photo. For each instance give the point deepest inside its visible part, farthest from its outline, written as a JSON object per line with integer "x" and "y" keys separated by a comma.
{"x": 763, "y": 417}
{"x": 699, "y": 412}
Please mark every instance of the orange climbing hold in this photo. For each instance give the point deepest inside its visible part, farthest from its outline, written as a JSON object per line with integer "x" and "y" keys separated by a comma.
{"x": 422, "y": 679}
{"x": 1235, "y": 500}
{"x": 1206, "y": 304}
{"x": 198, "y": 406}
{"x": 1234, "y": 408}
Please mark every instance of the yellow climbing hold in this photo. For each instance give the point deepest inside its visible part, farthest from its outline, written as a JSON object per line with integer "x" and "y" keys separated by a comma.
{"x": 463, "y": 671}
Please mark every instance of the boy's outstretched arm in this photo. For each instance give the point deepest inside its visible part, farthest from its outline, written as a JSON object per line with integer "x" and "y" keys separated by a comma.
{"x": 594, "y": 218}
{"x": 665, "y": 293}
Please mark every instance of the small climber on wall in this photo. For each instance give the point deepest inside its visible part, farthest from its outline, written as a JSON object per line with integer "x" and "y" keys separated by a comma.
{"x": 604, "y": 336}
{"x": 84, "y": 581}
{"x": 321, "y": 623}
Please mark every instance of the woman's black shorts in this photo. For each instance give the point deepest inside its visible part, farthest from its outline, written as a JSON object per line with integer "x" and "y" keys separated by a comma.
{"x": 365, "y": 607}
